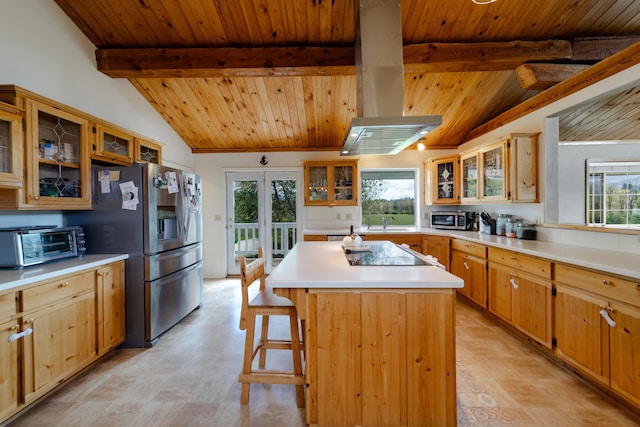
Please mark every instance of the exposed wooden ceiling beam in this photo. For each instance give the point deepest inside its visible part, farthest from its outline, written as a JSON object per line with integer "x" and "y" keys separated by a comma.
{"x": 494, "y": 56}
{"x": 597, "y": 48}
{"x": 617, "y": 62}
{"x": 280, "y": 61}
{"x": 543, "y": 76}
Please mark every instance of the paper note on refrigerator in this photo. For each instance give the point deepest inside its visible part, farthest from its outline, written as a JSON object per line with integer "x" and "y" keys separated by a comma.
{"x": 172, "y": 182}
{"x": 105, "y": 182}
{"x": 129, "y": 195}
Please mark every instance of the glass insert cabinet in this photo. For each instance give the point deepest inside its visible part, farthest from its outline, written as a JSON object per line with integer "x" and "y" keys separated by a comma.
{"x": 112, "y": 145}
{"x": 58, "y": 158}
{"x": 469, "y": 169}
{"x": 494, "y": 170}
{"x": 445, "y": 181}
{"x": 331, "y": 183}
{"x": 10, "y": 146}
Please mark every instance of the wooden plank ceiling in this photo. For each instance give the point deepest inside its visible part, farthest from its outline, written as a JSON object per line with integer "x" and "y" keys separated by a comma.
{"x": 279, "y": 75}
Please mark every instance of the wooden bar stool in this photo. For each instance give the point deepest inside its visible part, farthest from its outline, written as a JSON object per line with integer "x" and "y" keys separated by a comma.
{"x": 265, "y": 304}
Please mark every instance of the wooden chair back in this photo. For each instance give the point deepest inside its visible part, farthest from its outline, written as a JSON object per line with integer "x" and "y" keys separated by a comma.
{"x": 250, "y": 273}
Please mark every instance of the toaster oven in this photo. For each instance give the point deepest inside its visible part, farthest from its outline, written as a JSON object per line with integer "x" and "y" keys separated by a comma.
{"x": 25, "y": 246}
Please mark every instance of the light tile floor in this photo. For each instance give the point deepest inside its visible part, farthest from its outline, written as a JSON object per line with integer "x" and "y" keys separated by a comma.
{"x": 190, "y": 379}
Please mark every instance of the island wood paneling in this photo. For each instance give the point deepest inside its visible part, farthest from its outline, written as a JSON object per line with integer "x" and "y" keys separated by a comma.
{"x": 384, "y": 357}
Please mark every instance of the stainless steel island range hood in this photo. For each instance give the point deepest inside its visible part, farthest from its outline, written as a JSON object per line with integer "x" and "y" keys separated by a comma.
{"x": 380, "y": 126}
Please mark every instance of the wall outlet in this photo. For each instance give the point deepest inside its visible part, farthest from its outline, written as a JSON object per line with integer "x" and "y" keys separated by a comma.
{"x": 217, "y": 218}
{"x": 337, "y": 217}
{"x": 349, "y": 218}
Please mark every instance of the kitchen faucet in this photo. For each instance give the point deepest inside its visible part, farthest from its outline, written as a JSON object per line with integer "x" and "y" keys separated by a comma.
{"x": 384, "y": 222}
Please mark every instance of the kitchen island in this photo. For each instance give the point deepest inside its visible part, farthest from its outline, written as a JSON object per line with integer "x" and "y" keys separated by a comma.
{"x": 380, "y": 340}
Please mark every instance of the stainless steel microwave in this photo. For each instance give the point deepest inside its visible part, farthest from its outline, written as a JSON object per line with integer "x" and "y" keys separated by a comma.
{"x": 25, "y": 246}
{"x": 449, "y": 220}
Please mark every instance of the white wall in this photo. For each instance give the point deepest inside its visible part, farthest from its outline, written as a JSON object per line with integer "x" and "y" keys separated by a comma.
{"x": 42, "y": 51}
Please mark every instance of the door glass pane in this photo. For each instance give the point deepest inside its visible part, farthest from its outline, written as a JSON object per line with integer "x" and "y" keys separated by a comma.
{"x": 245, "y": 220}
{"x": 493, "y": 173}
{"x": 318, "y": 189}
{"x": 5, "y": 146}
{"x": 283, "y": 218}
{"x": 59, "y": 156}
{"x": 116, "y": 145}
{"x": 470, "y": 177}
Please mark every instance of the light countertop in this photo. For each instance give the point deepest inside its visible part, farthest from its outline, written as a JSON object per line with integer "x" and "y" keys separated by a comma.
{"x": 12, "y": 278}
{"x": 324, "y": 265}
{"x": 614, "y": 262}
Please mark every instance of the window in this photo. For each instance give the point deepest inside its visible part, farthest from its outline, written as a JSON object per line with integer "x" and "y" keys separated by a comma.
{"x": 613, "y": 192}
{"x": 388, "y": 194}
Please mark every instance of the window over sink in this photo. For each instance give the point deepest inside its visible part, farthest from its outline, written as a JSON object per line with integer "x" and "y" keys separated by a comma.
{"x": 388, "y": 195}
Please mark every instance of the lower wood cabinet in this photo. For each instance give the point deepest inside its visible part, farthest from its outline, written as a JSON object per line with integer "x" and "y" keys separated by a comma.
{"x": 439, "y": 247}
{"x": 469, "y": 262}
{"x": 51, "y": 330}
{"x": 597, "y": 327}
{"x": 110, "y": 306}
{"x": 581, "y": 333}
{"x": 8, "y": 369}
{"x": 63, "y": 342}
{"x": 520, "y": 292}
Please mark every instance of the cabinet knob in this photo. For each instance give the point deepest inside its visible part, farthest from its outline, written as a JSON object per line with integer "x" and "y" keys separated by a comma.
{"x": 606, "y": 282}
{"x": 63, "y": 285}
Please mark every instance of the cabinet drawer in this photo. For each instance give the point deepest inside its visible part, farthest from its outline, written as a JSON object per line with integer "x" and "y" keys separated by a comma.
{"x": 57, "y": 290}
{"x": 7, "y": 305}
{"x": 470, "y": 248}
{"x": 521, "y": 262}
{"x": 600, "y": 283}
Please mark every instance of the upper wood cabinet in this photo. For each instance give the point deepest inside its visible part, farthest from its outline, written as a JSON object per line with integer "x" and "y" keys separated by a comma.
{"x": 493, "y": 180}
{"x": 331, "y": 183}
{"x": 523, "y": 168}
{"x": 11, "y": 142}
{"x": 469, "y": 178}
{"x": 112, "y": 145}
{"x": 57, "y": 158}
{"x": 444, "y": 181}
{"x": 502, "y": 171}
{"x": 147, "y": 151}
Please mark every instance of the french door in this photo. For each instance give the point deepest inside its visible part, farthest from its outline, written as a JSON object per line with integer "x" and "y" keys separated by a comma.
{"x": 263, "y": 210}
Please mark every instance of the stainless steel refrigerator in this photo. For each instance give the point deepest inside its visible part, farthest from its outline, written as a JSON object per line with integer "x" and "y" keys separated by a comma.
{"x": 152, "y": 213}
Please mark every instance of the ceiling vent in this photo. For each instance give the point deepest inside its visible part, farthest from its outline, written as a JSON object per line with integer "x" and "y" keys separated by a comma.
{"x": 380, "y": 126}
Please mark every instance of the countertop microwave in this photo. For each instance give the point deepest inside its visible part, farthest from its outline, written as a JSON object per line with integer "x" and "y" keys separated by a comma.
{"x": 25, "y": 246}
{"x": 452, "y": 220}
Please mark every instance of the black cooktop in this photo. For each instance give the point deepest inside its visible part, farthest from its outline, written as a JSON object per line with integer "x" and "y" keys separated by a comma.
{"x": 382, "y": 254}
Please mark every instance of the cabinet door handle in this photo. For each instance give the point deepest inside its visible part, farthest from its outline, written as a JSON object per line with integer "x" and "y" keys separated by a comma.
{"x": 512, "y": 280}
{"x": 63, "y": 285}
{"x": 606, "y": 282}
{"x": 14, "y": 337}
{"x": 466, "y": 258}
{"x": 604, "y": 312}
